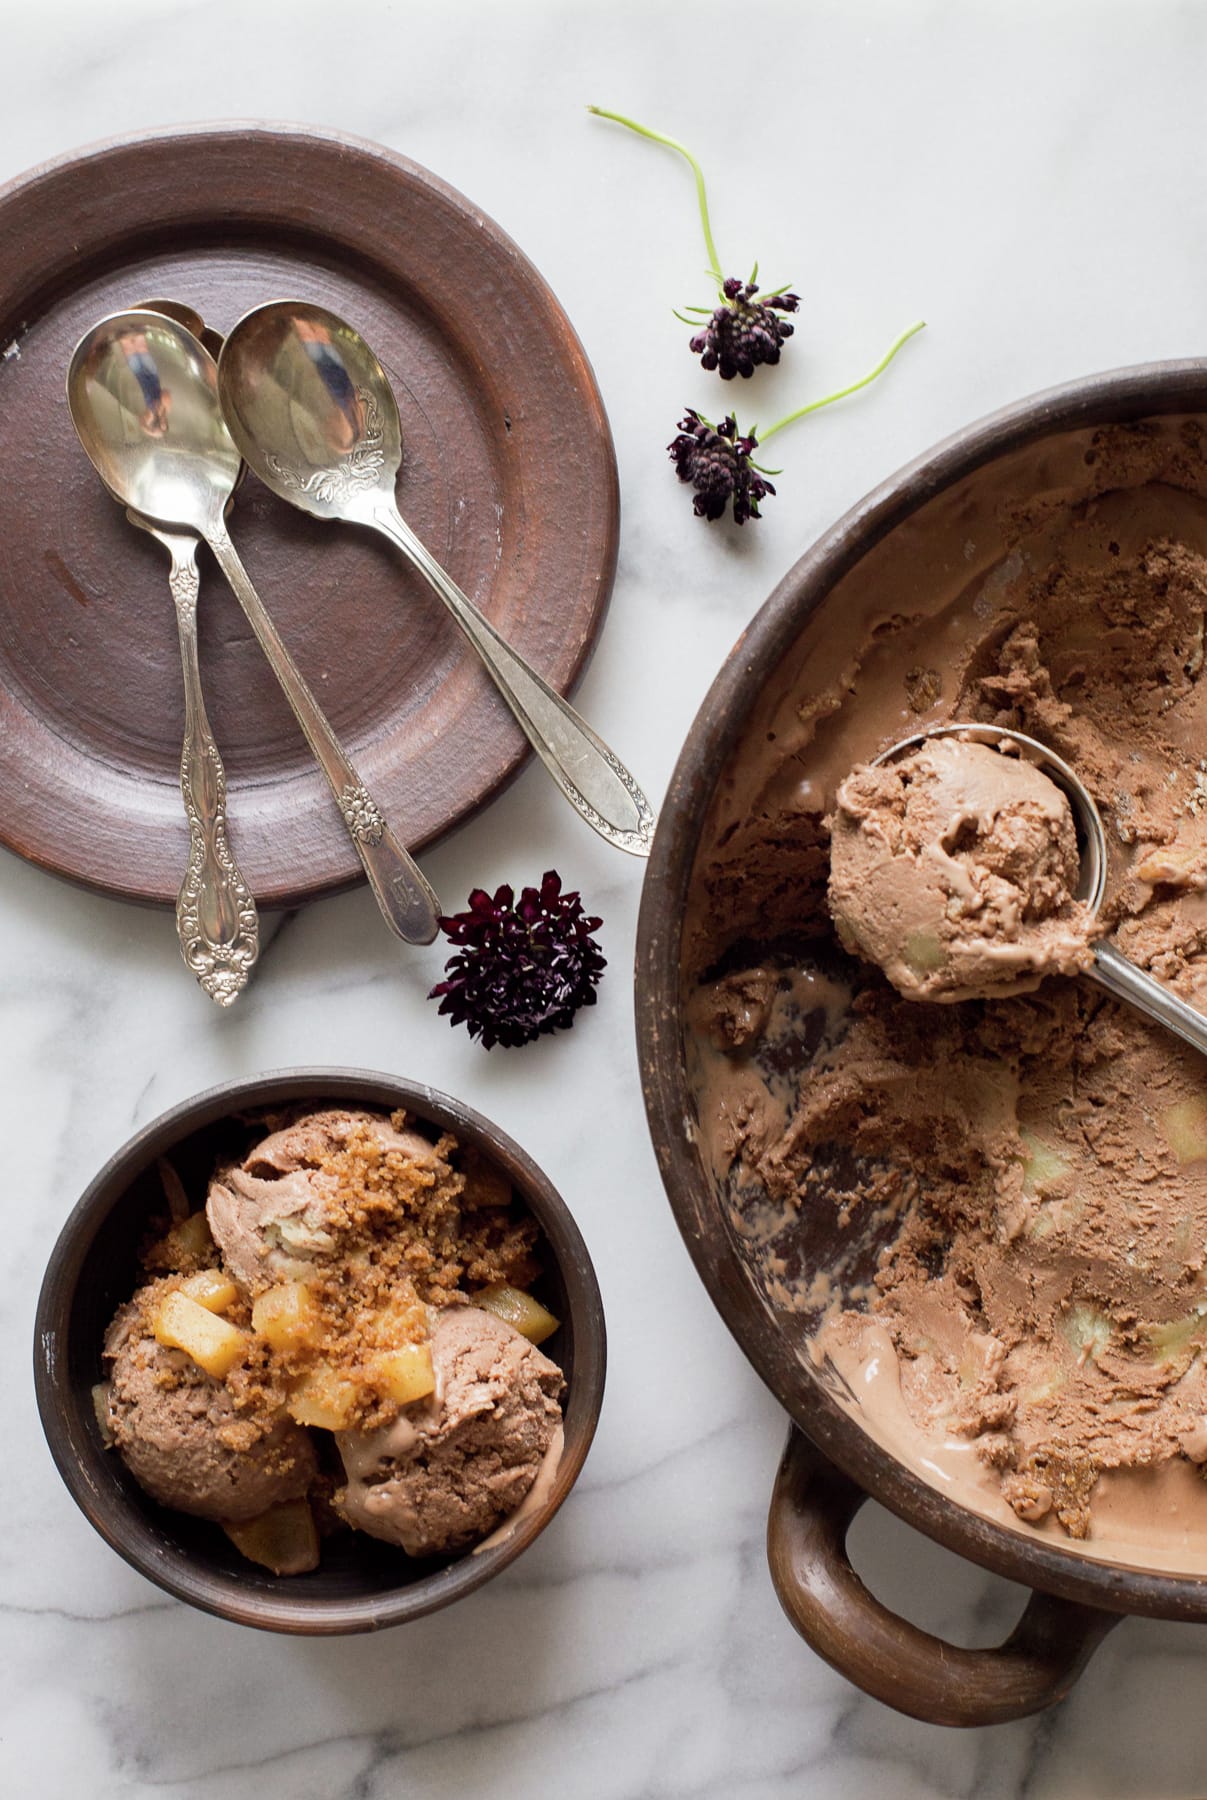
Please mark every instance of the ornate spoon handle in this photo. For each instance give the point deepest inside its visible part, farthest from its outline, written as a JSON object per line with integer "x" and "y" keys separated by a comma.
{"x": 592, "y": 777}
{"x": 216, "y": 917}
{"x": 408, "y": 904}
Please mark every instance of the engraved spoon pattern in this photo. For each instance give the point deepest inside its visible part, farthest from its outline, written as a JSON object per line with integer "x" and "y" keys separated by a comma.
{"x": 144, "y": 400}
{"x": 314, "y": 415}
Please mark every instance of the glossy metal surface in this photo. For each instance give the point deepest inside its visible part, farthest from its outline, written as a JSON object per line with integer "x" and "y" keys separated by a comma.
{"x": 216, "y": 919}
{"x": 144, "y": 398}
{"x": 1112, "y": 970}
{"x": 312, "y": 411}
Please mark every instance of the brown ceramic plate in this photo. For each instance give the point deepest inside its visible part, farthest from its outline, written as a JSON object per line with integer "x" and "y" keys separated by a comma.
{"x": 508, "y": 475}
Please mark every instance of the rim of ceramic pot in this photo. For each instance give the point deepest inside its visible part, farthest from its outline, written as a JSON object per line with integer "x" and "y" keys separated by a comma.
{"x": 74, "y": 1437}
{"x": 1119, "y": 396}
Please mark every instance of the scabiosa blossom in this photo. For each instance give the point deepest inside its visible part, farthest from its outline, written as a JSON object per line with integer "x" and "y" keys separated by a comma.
{"x": 717, "y": 463}
{"x": 734, "y": 338}
{"x": 524, "y": 967}
{"x": 743, "y": 332}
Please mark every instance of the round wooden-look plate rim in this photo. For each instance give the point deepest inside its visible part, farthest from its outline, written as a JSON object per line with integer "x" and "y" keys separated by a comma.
{"x": 508, "y": 471}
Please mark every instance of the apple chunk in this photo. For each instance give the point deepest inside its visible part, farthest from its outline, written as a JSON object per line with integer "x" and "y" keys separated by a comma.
{"x": 1043, "y": 1163}
{"x": 406, "y": 1374}
{"x": 323, "y": 1399}
{"x": 1185, "y": 1126}
{"x": 212, "y": 1289}
{"x": 519, "y": 1310}
{"x": 283, "y": 1539}
{"x": 287, "y": 1317}
{"x": 213, "y": 1344}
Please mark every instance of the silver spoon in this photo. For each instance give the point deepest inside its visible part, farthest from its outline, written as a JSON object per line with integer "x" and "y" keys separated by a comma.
{"x": 1111, "y": 969}
{"x": 310, "y": 407}
{"x": 143, "y": 394}
{"x": 216, "y": 919}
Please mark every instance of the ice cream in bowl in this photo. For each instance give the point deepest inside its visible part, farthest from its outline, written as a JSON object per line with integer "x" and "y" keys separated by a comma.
{"x": 950, "y": 1196}
{"x": 320, "y": 1351}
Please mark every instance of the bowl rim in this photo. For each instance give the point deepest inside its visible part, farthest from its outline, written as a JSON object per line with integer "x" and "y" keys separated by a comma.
{"x": 69, "y": 1432}
{"x": 1118, "y": 396}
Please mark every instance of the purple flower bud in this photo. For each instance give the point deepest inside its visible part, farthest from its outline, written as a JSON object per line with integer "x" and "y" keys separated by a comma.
{"x": 744, "y": 332}
{"x": 716, "y": 462}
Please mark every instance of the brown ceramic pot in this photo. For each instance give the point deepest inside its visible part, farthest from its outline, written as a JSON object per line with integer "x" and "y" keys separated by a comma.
{"x": 831, "y": 1465}
{"x": 361, "y": 1584}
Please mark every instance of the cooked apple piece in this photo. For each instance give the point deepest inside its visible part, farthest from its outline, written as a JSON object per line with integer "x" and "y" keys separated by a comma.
{"x": 923, "y": 953}
{"x": 1176, "y": 1339}
{"x": 287, "y": 1316}
{"x": 1087, "y": 1331}
{"x": 1185, "y": 1125}
{"x": 284, "y": 1539}
{"x": 100, "y": 1407}
{"x": 1045, "y": 1387}
{"x": 212, "y": 1289}
{"x": 323, "y": 1399}
{"x": 406, "y": 1374}
{"x": 520, "y": 1311}
{"x": 192, "y": 1236}
{"x": 213, "y": 1344}
{"x": 1043, "y": 1163}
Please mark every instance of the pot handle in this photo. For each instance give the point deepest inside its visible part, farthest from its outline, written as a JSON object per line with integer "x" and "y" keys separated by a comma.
{"x": 812, "y": 1507}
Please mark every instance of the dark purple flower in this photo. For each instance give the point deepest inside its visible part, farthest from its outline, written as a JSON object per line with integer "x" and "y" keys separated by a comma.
{"x": 524, "y": 967}
{"x": 744, "y": 332}
{"x": 716, "y": 461}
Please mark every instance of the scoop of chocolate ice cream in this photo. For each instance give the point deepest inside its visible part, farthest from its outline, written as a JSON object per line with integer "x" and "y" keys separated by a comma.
{"x": 181, "y": 1438}
{"x": 270, "y": 1214}
{"x": 954, "y": 869}
{"x": 446, "y": 1471}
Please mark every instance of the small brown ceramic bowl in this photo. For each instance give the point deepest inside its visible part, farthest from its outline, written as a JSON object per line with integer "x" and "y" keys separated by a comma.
{"x": 361, "y": 1584}
{"x": 934, "y": 523}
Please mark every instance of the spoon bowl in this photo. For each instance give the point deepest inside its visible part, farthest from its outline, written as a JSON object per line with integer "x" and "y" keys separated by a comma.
{"x": 1121, "y": 978}
{"x": 311, "y": 410}
{"x": 143, "y": 394}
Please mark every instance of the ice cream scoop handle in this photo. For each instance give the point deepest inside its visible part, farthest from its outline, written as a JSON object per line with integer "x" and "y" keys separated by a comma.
{"x": 216, "y": 918}
{"x": 1120, "y": 977}
{"x": 408, "y": 904}
{"x": 812, "y": 1507}
{"x": 589, "y": 774}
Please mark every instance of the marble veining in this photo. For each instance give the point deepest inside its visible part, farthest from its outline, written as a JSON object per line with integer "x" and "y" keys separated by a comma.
{"x": 1023, "y": 174}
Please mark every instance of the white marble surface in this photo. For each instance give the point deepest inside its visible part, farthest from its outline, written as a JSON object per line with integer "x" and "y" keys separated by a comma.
{"x": 1028, "y": 176}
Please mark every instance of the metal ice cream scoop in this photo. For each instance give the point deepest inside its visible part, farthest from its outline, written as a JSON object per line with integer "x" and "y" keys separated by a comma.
{"x": 1110, "y": 969}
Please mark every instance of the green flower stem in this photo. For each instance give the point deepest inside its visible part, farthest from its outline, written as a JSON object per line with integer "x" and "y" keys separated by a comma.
{"x": 816, "y": 405}
{"x": 701, "y": 197}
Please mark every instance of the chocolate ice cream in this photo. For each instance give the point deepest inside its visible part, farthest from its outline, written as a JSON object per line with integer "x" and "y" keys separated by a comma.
{"x": 179, "y": 1433}
{"x": 449, "y": 1468}
{"x": 985, "y": 1222}
{"x": 345, "y": 1292}
{"x": 271, "y": 1214}
{"x": 954, "y": 868}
